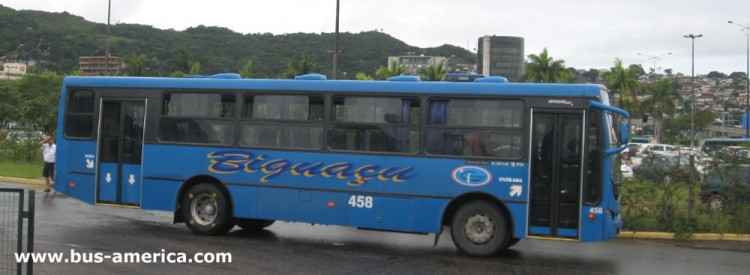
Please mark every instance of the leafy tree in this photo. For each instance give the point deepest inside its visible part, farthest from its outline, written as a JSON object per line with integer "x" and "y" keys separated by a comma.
{"x": 300, "y": 67}
{"x": 668, "y": 72}
{"x": 738, "y": 75}
{"x": 363, "y": 76}
{"x": 180, "y": 61}
{"x": 138, "y": 67}
{"x": 544, "y": 68}
{"x": 432, "y": 72}
{"x": 662, "y": 100}
{"x": 9, "y": 103}
{"x": 40, "y": 99}
{"x": 76, "y": 72}
{"x": 715, "y": 74}
{"x": 591, "y": 75}
{"x": 395, "y": 70}
{"x": 676, "y": 130}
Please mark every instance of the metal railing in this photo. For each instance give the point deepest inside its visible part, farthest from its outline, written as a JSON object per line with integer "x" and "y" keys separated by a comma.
{"x": 12, "y": 216}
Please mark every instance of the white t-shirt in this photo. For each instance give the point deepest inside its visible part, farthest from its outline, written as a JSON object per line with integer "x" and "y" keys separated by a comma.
{"x": 49, "y": 152}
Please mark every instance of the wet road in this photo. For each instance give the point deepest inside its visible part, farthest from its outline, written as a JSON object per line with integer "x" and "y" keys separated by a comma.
{"x": 64, "y": 224}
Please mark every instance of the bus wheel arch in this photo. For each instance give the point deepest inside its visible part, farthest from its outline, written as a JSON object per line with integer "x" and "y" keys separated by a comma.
{"x": 215, "y": 192}
{"x": 479, "y": 208}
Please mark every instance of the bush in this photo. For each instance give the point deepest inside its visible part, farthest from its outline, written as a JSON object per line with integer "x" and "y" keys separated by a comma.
{"x": 653, "y": 204}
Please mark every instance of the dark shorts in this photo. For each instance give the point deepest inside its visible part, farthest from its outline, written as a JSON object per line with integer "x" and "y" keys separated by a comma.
{"x": 49, "y": 169}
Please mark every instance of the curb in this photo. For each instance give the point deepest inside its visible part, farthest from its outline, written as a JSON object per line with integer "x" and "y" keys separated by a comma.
{"x": 693, "y": 237}
{"x": 20, "y": 180}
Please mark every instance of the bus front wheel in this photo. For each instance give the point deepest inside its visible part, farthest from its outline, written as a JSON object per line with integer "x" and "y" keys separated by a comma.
{"x": 479, "y": 228}
{"x": 206, "y": 210}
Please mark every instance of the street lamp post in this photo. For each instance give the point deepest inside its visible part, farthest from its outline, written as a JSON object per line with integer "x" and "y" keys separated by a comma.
{"x": 654, "y": 58}
{"x": 746, "y": 30}
{"x": 692, "y": 90}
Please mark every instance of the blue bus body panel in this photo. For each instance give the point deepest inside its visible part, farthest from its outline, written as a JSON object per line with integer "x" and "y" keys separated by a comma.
{"x": 131, "y": 183}
{"x": 108, "y": 182}
{"x": 78, "y": 168}
{"x": 401, "y": 188}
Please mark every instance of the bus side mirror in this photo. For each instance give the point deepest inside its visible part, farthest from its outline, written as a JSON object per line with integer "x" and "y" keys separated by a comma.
{"x": 624, "y": 132}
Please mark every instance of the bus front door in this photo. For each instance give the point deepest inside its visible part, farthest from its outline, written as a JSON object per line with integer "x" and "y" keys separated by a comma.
{"x": 555, "y": 183}
{"x": 120, "y": 148}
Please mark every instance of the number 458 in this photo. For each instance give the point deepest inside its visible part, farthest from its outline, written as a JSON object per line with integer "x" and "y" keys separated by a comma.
{"x": 360, "y": 201}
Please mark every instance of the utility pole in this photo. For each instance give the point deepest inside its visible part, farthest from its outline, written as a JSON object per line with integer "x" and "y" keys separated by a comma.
{"x": 336, "y": 48}
{"x": 109, "y": 12}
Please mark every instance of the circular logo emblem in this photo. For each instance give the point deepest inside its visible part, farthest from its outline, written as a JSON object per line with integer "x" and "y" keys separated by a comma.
{"x": 471, "y": 175}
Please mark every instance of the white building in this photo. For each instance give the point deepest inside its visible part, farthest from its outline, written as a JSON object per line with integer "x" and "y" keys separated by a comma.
{"x": 12, "y": 71}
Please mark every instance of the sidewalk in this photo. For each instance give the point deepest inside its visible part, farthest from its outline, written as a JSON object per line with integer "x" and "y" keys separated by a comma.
{"x": 625, "y": 235}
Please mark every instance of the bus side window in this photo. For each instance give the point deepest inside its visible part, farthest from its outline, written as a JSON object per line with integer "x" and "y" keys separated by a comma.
{"x": 195, "y": 132}
{"x": 337, "y": 139}
{"x": 299, "y": 137}
{"x": 168, "y": 131}
{"x": 266, "y": 136}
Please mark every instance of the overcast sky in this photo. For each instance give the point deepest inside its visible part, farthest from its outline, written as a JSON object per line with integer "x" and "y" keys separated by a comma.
{"x": 585, "y": 33}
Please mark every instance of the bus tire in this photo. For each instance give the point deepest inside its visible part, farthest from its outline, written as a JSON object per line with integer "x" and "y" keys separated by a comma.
{"x": 479, "y": 228}
{"x": 253, "y": 225}
{"x": 205, "y": 209}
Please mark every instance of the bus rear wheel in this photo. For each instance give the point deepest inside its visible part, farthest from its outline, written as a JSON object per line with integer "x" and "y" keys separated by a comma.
{"x": 253, "y": 224}
{"x": 205, "y": 209}
{"x": 479, "y": 228}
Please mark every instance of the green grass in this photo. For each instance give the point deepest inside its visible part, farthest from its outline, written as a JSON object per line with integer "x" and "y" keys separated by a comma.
{"x": 21, "y": 169}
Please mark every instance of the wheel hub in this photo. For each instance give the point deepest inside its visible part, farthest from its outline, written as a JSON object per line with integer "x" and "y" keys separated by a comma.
{"x": 479, "y": 229}
{"x": 203, "y": 209}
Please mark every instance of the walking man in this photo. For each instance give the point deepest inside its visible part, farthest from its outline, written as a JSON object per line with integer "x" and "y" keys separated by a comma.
{"x": 48, "y": 151}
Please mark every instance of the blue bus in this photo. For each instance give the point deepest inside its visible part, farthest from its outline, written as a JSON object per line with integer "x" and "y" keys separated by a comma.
{"x": 494, "y": 162}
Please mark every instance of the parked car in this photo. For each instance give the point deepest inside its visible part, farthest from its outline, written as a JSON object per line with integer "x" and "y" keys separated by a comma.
{"x": 725, "y": 184}
{"x": 654, "y": 148}
{"x": 668, "y": 167}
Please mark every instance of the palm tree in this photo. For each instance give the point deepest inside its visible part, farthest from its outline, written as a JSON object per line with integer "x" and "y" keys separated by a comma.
{"x": 363, "y": 76}
{"x": 395, "y": 70}
{"x": 300, "y": 67}
{"x": 662, "y": 100}
{"x": 544, "y": 68}
{"x": 432, "y": 72}
{"x": 138, "y": 67}
{"x": 247, "y": 70}
{"x": 624, "y": 82}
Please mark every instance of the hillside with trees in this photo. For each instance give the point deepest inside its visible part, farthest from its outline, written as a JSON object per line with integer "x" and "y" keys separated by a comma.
{"x": 54, "y": 41}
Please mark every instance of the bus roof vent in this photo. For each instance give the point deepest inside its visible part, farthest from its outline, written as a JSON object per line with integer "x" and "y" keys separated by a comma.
{"x": 310, "y": 77}
{"x": 492, "y": 79}
{"x": 405, "y": 78}
{"x": 226, "y": 76}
